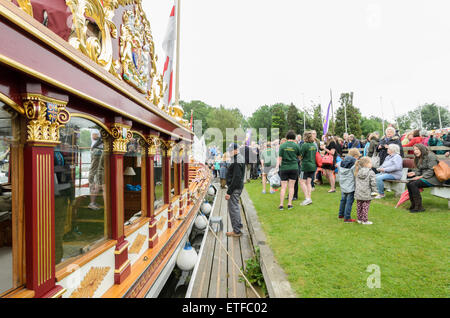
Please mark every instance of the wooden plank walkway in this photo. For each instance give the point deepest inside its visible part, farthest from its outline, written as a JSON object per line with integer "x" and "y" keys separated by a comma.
{"x": 217, "y": 276}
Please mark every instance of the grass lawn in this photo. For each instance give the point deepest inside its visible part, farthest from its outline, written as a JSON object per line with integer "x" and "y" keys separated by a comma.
{"x": 324, "y": 257}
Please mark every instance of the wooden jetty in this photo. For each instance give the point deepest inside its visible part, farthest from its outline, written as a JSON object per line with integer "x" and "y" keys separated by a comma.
{"x": 216, "y": 275}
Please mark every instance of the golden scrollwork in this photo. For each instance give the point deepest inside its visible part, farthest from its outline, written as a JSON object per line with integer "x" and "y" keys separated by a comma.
{"x": 121, "y": 135}
{"x": 45, "y": 117}
{"x": 153, "y": 143}
{"x": 26, "y": 6}
{"x": 166, "y": 147}
{"x": 106, "y": 140}
{"x": 98, "y": 48}
{"x": 137, "y": 49}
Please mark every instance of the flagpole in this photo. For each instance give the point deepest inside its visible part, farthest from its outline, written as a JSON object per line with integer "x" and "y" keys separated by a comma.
{"x": 382, "y": 115}
{"x": 345, "y": 116}
{"x": 332, "y": 112}
{"x": 439, "y": 114}
{"x": 420, "y": 116}
{"x": 304, "y": 113}
{"x": 395, "y": 115}
{"x": 177, "y": 70}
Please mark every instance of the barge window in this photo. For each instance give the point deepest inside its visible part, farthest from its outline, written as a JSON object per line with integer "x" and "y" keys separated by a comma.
{"x": 174, "y": 172}
{"x": 6, "y": 213}
{"x": 80, "y": 193}
{"x": 158, "y": 180}
{"x": 132, "y": 174}
{"x": 172, "y": 176}
{"x": 182, "y": 174}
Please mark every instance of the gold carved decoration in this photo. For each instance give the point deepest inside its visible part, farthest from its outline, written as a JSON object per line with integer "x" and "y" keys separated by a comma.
{"x": 97, "y": 48}
{"x": 106, "y": 140}
{"x": 137, "y": 49}
{"x": 153, "y": 143}
{"x": 166, "y": 147}
{"x": 26, "y": 6}
{"x": 138, "y": 58}
{"x": 121, "y": 135}
{"x": 91, "y": 282}
{"x": 137, "y": 244}
{"x": 161, "y": 223}
{"x": 45, "y": 117}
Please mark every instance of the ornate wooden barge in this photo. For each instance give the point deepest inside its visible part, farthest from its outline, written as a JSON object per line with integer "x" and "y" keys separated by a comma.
{"x": 97, "y": 191}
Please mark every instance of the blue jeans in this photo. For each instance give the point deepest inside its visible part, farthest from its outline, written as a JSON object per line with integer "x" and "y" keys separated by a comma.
{"x": 345, "y": 209}
{"x": 380, "y": 178}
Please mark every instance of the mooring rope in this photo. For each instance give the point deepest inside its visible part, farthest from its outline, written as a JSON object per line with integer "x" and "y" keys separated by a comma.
{"x": 237, "y": 266}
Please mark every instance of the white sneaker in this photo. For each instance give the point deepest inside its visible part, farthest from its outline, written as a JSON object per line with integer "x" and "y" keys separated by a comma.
{"x": 379, "y": 196}
{"x": 367, "y": 223}
{"x": 93, "y": 206}
{"x": 306, "y": 202}
{"x": 359, "y": 222}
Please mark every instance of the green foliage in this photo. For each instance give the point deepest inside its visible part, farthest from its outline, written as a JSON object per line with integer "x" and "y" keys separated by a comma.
{"x": 222, "y": 119}
{"x": 261, "y": 118}
{"x": 317, "y": 120}
{"x": 430, "y": 118}
{"x": 279, "y": 119}
{"x": 293, "y": 119}
{"x": 372, "y": 124}
{"x": 353, "y": 114}
{"x": 85, "y": 138}
{"x": 253, "y": 272}
{"x": 201, "y": 112}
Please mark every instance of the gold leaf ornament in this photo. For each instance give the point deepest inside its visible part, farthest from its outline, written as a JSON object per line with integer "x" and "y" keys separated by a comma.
{"x": 90, "y": 282}
{"x": 98, "y": 49}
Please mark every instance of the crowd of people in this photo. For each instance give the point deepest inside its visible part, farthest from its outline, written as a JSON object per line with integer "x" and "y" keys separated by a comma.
{"x": 362, "y": 166}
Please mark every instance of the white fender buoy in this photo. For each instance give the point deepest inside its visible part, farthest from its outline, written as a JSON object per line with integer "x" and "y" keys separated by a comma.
{"x": 211, "y": 191}
{"x": 187, "y": 258}
{"x": 206, "y": 208}
{"x": 200, "y": 222}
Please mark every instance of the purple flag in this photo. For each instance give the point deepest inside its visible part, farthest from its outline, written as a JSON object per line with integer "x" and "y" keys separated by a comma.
{"x": 326, "y": 123}
{"x": 248, "y": 137}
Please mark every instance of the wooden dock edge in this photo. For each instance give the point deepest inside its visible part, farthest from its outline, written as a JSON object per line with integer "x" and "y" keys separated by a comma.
{"x": 276, "y": 279}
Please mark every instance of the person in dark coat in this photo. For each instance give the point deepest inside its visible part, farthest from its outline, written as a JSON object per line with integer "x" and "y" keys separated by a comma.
{"x": 389, "y": 138}
{"x": 423, "y": 176}
{"x": 235, "y": 184}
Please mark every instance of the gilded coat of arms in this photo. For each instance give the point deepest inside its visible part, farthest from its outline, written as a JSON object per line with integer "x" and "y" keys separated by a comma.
{"x": 135, "y": 52}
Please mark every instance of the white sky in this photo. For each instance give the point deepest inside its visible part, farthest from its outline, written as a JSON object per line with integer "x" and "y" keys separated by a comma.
{"x": 248, "y": 53}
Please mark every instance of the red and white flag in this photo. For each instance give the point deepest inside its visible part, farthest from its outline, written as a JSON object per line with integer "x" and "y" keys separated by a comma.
{"x": 169, "y": 47}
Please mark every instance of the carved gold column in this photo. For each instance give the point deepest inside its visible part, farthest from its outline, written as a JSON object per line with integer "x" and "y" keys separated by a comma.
{"x": 121, "y": 135}
{"x": 166, "y": 149}
{"x": 45, "y": 116}
{"x": 153, "y": 143}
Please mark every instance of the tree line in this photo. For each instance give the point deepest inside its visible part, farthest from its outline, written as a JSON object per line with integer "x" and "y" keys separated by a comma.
{"x": 290, "y": 116}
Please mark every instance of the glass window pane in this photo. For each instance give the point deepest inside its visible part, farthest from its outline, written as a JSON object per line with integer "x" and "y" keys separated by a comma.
{"x": 6, "y": 261}
{"x": 132, "y": 174}
{"x": 158, "y": 180}
{"x": 79, "y": 189}
{"x": 182, "y": 176}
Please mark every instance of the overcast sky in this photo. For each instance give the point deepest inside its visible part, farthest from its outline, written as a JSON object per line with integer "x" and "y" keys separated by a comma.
{"x": 248, "y": 53}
